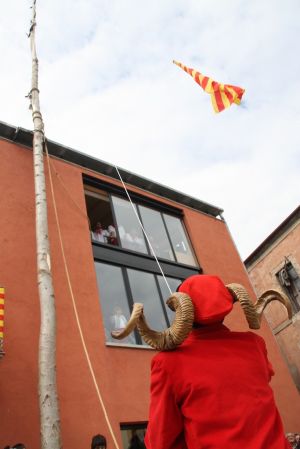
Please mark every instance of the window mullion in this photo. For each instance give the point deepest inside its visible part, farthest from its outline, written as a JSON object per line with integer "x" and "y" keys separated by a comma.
{"x": 115, "y": 219}
{"x": 130, "y": 300}
{"x": 162, "y": 301}
{"x": 146, "y": 240}
{"x": 168, "y": 235}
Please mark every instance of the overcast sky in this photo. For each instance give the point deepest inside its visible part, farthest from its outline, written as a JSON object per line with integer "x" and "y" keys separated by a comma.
{"x": 108, "y": 88}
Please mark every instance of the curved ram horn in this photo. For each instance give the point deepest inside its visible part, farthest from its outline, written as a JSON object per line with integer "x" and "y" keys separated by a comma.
{"x": 171, "y": 337}
{"x": 137, "y": 311}
{"x": 253, "y": 311}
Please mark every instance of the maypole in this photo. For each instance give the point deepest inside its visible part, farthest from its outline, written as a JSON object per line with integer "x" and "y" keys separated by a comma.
{"x": 48, "y": 400}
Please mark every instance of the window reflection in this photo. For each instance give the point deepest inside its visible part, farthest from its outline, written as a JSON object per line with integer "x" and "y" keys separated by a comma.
{"x": 144, "y": 290}
{"x": 114, "y": 303}
{"x": 119, "y": 287}
{"x": 118, "y": 225}
{"x": 156, "y": 232}
{"x": 173, "y": 284}
{"x": 179, "y": 241}
{"x": 130, "y": 232}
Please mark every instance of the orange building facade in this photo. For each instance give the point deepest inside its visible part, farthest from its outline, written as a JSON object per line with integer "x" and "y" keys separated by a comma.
{"x": 108, "y": 270}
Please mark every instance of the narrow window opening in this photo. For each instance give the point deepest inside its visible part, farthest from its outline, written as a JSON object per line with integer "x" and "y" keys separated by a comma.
{"x": 133, "y": 435}
{"x": 290, "y": 281}
{"x": 103, "y": 227}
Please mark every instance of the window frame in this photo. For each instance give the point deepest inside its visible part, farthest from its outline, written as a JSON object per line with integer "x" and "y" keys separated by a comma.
{"x": 136, "y": 197}
{"x": 133, "y": 426}
{"x": 290, "y": 292}
{"x": 130, "y": 302}
{"x": 111, "y": 253}
{"x": 125, "y": 258}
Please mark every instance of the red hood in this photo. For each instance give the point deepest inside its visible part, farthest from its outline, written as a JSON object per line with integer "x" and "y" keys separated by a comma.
{"x": 211, "y": 299}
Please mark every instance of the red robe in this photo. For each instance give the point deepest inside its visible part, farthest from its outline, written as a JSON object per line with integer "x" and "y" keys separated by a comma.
{"x": 213, "y": 392}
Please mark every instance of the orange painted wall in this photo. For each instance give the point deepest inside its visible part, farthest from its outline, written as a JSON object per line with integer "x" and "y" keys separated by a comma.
{"x": 122, "y": 374}
{"x": 217, "y": 255}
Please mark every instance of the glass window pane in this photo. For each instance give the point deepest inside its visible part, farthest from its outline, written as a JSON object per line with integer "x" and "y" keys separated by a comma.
{"x": 130, "y": 231}
{"x": 113, "y": 299}
{"x": 179, "y": 241}
{"x": 144, "y": 290}
{"x": 293, "y": 275}
{"x": 133, "y": 436}
{"x": 173, "y": 284}
{"x": 156, "y": 232}
{"x": 103, "y": 228}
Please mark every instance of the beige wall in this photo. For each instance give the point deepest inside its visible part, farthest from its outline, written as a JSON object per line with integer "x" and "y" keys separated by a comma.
{"x": 262, "y": 273}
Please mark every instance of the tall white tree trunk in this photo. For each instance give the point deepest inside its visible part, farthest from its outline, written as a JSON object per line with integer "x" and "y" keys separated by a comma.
{"x": 48, "y": 400}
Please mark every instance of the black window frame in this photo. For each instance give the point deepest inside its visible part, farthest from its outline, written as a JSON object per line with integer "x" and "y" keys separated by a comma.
{"x": 136, "y": 197}
{"x": 291, "y": 290}
{"x": 130, "y": 259}
{"x": 134, "y": 427}
{"x": 130, "y": 300}
{"x": 117, "y": 254}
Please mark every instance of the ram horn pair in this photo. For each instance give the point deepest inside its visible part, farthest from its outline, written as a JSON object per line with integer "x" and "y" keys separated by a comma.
{"x": 183, "y": 307}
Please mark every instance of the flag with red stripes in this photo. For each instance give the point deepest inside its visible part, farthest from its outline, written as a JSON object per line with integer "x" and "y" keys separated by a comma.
{"x": 222, "y": 95}
{"x": 1, "y": 318}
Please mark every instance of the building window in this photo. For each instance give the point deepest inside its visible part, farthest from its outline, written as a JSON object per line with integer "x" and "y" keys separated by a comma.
{"x": 157, "y": 233}
{"x": 126, "y": 269}
{"x": 179, "y": 240}
{"x": 120, "y": 287}
{"x": 129, "y": 230}
{"x": 290, "y": 281}
{"x": 113, "y": 222}
{"x": 101, "y": 220}
{"x": 133, "y": 435}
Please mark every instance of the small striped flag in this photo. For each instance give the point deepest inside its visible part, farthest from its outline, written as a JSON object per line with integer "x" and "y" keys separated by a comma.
{"x": 222, "y": 95}
{"x": 1, "y": 318}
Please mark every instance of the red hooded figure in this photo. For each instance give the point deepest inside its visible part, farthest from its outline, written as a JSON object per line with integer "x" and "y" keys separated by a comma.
{"x": 212, "y": 391}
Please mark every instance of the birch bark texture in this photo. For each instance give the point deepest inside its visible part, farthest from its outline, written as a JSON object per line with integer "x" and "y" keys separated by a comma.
{"x": 48, "y": 398}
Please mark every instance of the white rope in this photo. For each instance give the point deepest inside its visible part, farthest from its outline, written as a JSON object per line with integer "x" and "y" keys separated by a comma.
{"x": 99, "y": 395}
{"x": 144, "y": 231}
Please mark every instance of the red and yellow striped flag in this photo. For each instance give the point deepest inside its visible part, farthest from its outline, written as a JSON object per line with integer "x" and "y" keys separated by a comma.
{"x": 1, "y": 318}
{"x": 222, "y": 95}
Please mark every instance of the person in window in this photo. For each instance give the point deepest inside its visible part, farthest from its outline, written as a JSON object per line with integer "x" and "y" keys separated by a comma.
{"x": 112, "y": 235}
{"x": 118, "y": 320}
{"x": 118, "y": 323}
{"x": 98, "y": 442}
{"x": 135, "y": 442}
{"x": 99, "y": 234}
